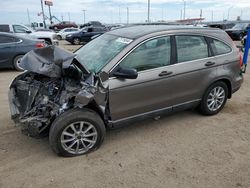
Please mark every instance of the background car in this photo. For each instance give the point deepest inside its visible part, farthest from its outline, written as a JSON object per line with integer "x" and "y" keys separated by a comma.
{"x": 238, "y": 31}
{"x": 92, "y": 23}
{"x": 85, "y": 35}
{"x": 62, "y": 34}
{"x": 48, "y": 36}
{"x": 62, "y": 25}
{"x": 14, "y": 47}
{"x": 243, "y": 41}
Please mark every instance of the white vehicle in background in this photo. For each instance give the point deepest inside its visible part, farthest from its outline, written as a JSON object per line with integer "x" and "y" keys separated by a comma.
{"x": 50, "y": 38}
{"x": 61, "y": 35}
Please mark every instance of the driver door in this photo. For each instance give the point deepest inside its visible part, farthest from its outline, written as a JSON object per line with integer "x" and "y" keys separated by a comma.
{"x": 151, "y": 91}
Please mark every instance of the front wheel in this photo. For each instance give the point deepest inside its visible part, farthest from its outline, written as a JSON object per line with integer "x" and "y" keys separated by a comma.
{"x": 76, "y": 132}
{"x": 214, "y": 99}
{"x": 76, "y": 41}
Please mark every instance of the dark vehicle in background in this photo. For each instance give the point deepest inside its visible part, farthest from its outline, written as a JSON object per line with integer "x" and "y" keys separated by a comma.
{"x": 123, "y": 76}
{"x": 244, "y": 40}
{"x": 14, "y": 47}
{"x": 238, "y": 31}
{"x": 85, "y": 35}
{"x": 222, "y": 26}
{"x": 62, "y": 25}
{"x": 92, "y": 23}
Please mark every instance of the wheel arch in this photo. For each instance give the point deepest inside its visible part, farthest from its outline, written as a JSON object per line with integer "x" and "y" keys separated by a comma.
{"x": 227, "y": 82}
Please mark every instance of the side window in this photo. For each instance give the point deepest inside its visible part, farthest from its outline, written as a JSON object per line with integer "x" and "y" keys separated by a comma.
{"x": 4, "y": 28}
{"x": 6, "y": 39}
{"x": 151, "y": 54}
{"x": 19, "y": 29}
{"x": 90, "y": 29}
{"x": 219, "y": 47}
{"x": 191, "y": 48}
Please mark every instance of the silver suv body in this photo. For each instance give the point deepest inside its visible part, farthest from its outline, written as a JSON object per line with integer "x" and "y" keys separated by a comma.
{"x": 124, "y": 75}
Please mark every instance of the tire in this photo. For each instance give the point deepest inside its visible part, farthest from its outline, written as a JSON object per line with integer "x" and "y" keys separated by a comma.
{"x": 61, "y": 135}
{"x": 241, "y": 36}
{"x": 76, "y": 41}
{"x": 59, "y": 37}
{"x": 16, "y": 62}
{"x": 47, "y": 43}
{"x": 213, "y": 104}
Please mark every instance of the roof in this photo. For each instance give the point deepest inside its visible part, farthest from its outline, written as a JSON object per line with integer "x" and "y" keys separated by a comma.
{"x": 135, "y": 32}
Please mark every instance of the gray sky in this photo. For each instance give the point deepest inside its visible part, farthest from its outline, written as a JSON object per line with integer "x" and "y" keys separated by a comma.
{"x": 107, "y": 11}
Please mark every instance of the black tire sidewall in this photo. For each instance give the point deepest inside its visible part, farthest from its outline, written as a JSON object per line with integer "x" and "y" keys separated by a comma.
{"x": 203, "y": 106}
{"x": 72, "y": 116}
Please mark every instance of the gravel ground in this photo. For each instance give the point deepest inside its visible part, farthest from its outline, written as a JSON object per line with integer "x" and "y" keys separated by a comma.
{"x": 182, "y": 150}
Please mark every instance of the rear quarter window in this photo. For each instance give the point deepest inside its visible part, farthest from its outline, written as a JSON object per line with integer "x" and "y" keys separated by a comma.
{"x": 4, "y": 28}
{"x": 191, "y": 48}
{"x": 219, "y": 47}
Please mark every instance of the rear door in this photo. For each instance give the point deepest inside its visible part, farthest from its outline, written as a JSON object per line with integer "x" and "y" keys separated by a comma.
{"x": 194, "y": 70}
{"x": 7, "y": 51}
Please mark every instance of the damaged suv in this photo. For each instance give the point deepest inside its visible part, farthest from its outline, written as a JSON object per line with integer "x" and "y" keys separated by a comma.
{"x": 124, "y": 75}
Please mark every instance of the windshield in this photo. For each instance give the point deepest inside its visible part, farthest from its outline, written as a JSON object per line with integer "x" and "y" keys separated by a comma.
{"x": 240, "y": 26}
{"x": 97, "y": 53}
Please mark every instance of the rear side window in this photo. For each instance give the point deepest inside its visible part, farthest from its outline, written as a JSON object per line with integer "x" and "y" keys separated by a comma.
{"x": 6, "y": 39}
{"x": 219, "y": 47}
{"x": 4, "y": 28}
{"x": 191, "y": 48}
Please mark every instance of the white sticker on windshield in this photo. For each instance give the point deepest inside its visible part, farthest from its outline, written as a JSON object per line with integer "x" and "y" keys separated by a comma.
{"x": 124, "y": 40}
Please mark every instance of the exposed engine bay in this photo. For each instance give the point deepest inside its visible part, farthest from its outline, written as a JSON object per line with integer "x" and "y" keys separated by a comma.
{"x": 49, "y": 87}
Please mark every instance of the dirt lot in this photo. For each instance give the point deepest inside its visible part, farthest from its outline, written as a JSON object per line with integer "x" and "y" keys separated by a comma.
{"x": 181, "y": 150}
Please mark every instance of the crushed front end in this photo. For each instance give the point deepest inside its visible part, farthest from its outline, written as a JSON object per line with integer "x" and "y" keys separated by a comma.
{"x": 47, "y": 89}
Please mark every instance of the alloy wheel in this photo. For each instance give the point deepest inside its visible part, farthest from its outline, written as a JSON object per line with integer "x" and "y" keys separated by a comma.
{"x": 79, "y": 137}
{"x": 216, "y": 98}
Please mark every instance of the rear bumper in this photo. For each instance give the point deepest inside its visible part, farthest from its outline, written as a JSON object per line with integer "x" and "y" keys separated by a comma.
{"x": 237, "y": 83}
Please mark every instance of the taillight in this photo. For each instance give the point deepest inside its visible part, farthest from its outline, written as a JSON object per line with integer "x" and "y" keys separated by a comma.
{"x": 40, "y": 45}
{"x": 241, "y": 58}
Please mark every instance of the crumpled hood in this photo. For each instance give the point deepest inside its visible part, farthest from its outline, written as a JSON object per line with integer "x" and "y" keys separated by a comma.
{"x": 47, "y": 61}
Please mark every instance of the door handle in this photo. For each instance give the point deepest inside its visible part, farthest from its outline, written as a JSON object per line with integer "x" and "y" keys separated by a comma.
{"x": 209, "y": 64}
{"x": 165, "y": 73}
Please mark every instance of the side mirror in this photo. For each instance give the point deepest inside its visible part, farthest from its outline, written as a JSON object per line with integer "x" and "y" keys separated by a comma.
{"x": 28, "y": 31}
{"x": 126, "y": 73}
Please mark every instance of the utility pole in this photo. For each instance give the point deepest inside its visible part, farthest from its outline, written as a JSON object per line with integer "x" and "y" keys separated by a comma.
{"x": 119, "y": 13}
{"x": 184, "y": 7}
{"x": 127, "y": 15}
{"x": 229, "y": 12}
{"x": 28, "y": 14}
{"x": 69, "y": 15}
{"x": 181, "y": 15}
{"x": 43, "y": 14}
{"x": 212, "y": 16}
{"x": 50, "y": 17}
{"x": 148, "y": 10}
{"x": 84, "y": 16}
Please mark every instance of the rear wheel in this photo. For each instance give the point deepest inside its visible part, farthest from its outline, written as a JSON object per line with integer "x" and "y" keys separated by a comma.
{"x": 59, "y": 37}
{"x": 76, "y": 132}
{"x": 16, "y": 62}
{"x": 214, "y": 99}
{"x": 76, "y": 41}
